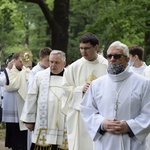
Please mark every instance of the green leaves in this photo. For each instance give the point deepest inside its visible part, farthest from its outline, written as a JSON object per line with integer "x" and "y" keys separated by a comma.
{"x": 124, "y": 20}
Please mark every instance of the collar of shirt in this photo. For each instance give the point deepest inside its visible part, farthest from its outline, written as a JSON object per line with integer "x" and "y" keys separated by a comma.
{"x": 59, "y": 74}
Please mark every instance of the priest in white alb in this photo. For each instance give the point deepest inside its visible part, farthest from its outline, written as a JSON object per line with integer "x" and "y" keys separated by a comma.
{"x": 116, "y": 107}
{"x": 42, "y": 110}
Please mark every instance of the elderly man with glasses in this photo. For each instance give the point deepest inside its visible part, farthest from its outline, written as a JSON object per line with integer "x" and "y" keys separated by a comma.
{"x": 116, "y": 107}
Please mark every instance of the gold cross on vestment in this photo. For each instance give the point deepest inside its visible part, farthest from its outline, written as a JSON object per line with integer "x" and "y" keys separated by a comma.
{"x": 43, "y": 139}
{"x": 91, "y": 78}
{"x": 41, "y": 136}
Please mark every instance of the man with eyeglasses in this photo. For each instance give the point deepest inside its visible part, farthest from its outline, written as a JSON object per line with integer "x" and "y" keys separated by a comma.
{"x": 76, "y": 82}
{"x": 116, "y": 107}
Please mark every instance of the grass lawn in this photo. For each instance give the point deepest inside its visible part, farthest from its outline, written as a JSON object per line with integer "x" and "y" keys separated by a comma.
{"x": 2, "y": 137}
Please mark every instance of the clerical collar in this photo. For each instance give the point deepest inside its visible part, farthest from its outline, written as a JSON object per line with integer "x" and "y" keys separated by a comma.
{"x": 59, "y": 74}
{"x": 19, "y": 69}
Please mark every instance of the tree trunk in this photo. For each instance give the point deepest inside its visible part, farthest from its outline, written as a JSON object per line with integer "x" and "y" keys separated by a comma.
{"x": 147, "y": 45}
{"x": 60, "y": 31}
{"x": 147, "y": 38}
{"x": 58, "y": 21}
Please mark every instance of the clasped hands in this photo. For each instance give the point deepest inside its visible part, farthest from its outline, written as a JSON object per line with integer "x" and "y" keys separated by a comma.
{"x": 115, "y": 126}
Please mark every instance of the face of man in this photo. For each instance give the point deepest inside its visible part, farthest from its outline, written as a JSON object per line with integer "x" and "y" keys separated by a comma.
{"x": 116, "y": 56}
{"x": 88, "y": 51}
{"x": 44, "y": 62}
{"x": 18, "y": 63}
{"x": 56, "y": 63}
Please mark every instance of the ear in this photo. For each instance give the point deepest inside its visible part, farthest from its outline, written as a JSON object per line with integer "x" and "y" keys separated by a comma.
{"x": 64, "y": 63}
{"x": 136, "y": 57}
{"x": 97, "y": 47}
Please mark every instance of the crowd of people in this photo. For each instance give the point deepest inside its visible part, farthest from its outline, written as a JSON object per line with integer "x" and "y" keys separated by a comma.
{"x": 95, "y": 103}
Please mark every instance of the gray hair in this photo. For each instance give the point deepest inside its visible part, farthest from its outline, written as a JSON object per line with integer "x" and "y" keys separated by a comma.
{"x": 120, "y": 46}
{"x": 59, "y": 52}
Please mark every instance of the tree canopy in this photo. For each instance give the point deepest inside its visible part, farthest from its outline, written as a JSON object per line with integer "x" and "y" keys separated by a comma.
{"x": 60, "y": 24}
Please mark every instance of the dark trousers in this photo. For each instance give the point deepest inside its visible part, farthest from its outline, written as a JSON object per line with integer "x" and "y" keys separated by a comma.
{"x": 15, "y": 139}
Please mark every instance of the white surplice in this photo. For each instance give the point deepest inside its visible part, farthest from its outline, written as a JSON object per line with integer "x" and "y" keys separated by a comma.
{"x": 133, "y": 107}
{"x": 146, "y": 72}
{"x": 139, "y": 70}
{"x": 3, "y": 81}
{"x": 32, "y": 73}
{"x": 15, "y": 95}
{"x": 45, "y": 90}
{"x": 75, "y": 77}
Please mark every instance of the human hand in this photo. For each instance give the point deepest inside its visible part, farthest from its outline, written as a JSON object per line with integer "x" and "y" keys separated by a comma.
{"x": 30, "y": 126}
{"x": 86, "y": 86}
{"x": 10, "y": 64}
{"x": 115, "y": 126}
{"x": 124, "y": 128}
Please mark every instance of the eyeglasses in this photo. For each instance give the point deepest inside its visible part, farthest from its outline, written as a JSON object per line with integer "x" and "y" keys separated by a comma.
{"x": 116, "y": 56}
{"x": 85, "y": 48}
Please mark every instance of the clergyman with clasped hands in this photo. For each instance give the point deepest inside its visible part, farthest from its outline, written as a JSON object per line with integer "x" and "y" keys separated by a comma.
{"x": 116, "y": 107}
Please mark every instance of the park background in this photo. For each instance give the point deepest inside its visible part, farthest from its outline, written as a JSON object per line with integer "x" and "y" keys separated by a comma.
{"x": 60, "y": 23}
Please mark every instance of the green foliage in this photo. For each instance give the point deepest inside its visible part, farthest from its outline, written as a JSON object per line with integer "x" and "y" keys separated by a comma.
{"x": 35, "y": 25}
{"x": 25, "y": 24}
{"x": 81, "y": 15}
{"x": 127, "y": 21}
{"x": 50, "y": 4}
{"x": 11, "y": 27}
{"x": 124, "y": 20}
